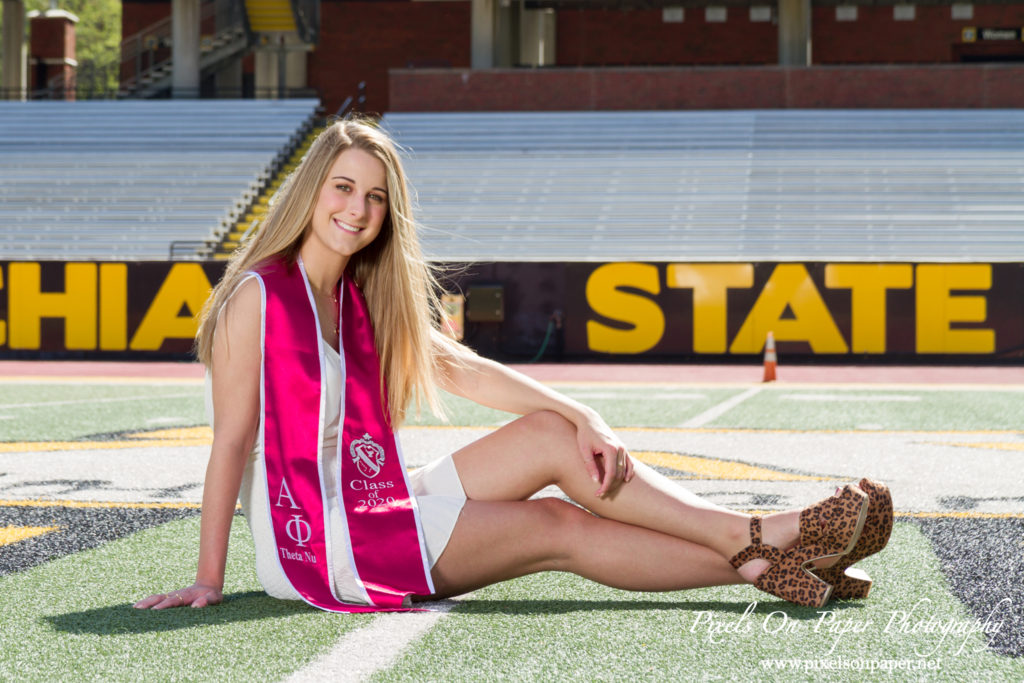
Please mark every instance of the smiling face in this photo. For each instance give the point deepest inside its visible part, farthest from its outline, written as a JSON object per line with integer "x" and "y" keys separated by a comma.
{"x": 352, "y": 204}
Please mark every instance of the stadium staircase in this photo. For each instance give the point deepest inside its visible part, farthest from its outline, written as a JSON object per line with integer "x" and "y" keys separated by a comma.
{"x": 147, "y": 54}
{"x": 255, "y": 212}
{"x": 229, "y": 29}
{"x": 270, "y": 15}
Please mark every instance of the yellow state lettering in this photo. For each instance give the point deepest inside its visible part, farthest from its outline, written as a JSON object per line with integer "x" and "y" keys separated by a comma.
{"x": 868, "y": 284}
{"x": 3, "y": 323}
{"x": 113, "y": 306}
{"x": 186, "y": 285}
{"x": 643, "y": 315}
{"x": 710, "y": 284}
{"x": 938, "y": 308}
{"x": 27, "y": 305}
{"x": 789, "y": 285}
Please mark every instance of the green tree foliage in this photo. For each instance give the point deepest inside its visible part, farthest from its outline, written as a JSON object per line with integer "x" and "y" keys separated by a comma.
{"x": 98, "y": 42}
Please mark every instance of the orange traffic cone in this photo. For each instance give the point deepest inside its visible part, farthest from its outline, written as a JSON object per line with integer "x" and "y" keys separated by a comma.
{"x": 769, "y": 359}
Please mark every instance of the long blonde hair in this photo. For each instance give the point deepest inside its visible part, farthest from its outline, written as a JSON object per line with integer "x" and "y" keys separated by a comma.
{"x": 399, "y": 285}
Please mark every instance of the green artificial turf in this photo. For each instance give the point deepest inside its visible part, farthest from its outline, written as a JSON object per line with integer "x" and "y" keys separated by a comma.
{"x": 620, "y": 406}
{"x": 836, "y": 408}
{"x": 85, "y": 411}
{"x": 72, "y": 619}
{"x": 561, "y": 627}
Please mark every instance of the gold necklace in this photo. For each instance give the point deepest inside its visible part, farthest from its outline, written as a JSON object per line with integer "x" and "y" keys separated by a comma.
{"x": 333, "y": 311}
{"x": 332, "y": 297}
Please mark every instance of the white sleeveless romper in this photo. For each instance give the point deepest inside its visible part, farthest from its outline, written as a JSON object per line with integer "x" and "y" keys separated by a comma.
{"x": 436, "y": 486}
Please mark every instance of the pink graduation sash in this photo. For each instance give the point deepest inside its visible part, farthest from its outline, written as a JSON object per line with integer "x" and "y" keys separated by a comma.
{"x": 387, "y": 551}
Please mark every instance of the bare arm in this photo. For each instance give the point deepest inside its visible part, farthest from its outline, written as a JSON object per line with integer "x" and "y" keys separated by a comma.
{"x": 494, "y": 385}
{"x": 236, "y": 372}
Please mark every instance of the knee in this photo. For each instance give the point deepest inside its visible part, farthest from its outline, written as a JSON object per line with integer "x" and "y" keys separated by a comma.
{"x": 564, "y": 527}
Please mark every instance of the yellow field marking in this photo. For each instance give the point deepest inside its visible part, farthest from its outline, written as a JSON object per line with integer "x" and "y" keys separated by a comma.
{"x": 203, "y": 436}
{"x": 97, "y": 504}
{"x": 177, "y": 434}
{"x": 711, "y": 468}
{"x": 157, "y": 438}
{"x": 993, "y": 445}
{"x": 13, "y": 534}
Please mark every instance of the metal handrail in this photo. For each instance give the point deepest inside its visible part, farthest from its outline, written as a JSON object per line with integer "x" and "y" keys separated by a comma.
{"x": 307, "y": 19}
{"x": 353, "y": 103}
{"x": 130, "y": 45}
{"x": 157, "y": 36}
{"x": 186, "y": 247}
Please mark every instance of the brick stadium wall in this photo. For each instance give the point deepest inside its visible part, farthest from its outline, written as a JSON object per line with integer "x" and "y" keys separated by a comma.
{"x": 765, "y": 87}
{"x": 376, "y": 41}
{"x": 614, "y": 37}
{"x": 360, "y": 41}
{"x": 932, "y": 37}
{"x": 138, "y": 14}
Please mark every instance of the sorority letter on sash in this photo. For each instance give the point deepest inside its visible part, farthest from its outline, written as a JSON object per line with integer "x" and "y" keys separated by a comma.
{"x": 386, "y": 549}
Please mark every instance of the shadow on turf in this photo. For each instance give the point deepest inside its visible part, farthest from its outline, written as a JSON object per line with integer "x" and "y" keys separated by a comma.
{"x": 474, "y": 606}
{"x": 257, "y": 605}
{"x": 119, "y": 619}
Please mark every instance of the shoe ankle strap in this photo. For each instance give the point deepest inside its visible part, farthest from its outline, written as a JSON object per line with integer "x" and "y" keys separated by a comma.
{"x": 756, "y": 549}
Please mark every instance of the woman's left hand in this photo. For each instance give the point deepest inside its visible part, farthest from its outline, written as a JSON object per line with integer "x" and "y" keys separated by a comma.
{"x": 196, "y": 595}
{"x": 604, "y": 454}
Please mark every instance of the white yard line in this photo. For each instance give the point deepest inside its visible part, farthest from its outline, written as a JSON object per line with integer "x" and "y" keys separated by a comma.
{"x": 720, "y": 409}
{"x": 362, "y": 653}
{"x": 117, "y": 399}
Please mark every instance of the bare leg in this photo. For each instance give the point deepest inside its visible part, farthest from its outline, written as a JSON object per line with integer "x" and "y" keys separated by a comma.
{"x": 540, "y": 449}
{"x": 523, "y": 537}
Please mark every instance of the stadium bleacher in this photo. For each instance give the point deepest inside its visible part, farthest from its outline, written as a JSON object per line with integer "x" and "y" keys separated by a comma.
{"x": 892, "y": 185}
{"x": 126, "y": 179}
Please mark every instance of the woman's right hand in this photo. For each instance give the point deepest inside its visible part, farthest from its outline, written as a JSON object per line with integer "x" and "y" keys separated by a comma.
{"x": 196, "y": 595}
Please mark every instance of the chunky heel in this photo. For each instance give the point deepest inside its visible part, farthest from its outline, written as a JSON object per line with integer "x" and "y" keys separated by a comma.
{"x": 851, "y": 583}
{"x": 791, "y": 581}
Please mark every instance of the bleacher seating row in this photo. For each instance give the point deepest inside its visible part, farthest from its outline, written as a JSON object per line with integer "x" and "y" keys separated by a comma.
{"x": 895, "y": 185}
{"x": 125, "y": 179}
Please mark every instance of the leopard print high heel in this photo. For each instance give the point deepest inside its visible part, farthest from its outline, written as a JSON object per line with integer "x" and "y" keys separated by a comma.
{"x": 850, "y": 583}
{"x": 831, "y": 528}
{"x": 837, "y": 514}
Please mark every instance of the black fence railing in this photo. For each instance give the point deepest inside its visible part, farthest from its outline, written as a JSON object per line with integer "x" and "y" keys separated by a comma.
{"x": 78, "y": 91}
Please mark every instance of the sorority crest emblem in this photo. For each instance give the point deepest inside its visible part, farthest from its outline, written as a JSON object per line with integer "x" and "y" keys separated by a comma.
{"x": 367, "y": 455}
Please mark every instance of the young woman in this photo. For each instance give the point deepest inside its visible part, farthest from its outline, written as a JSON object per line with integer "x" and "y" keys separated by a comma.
{"x": 318, "y": 338}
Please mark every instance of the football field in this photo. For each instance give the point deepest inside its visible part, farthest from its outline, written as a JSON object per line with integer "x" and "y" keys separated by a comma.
{"x": 101, "y": 478}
